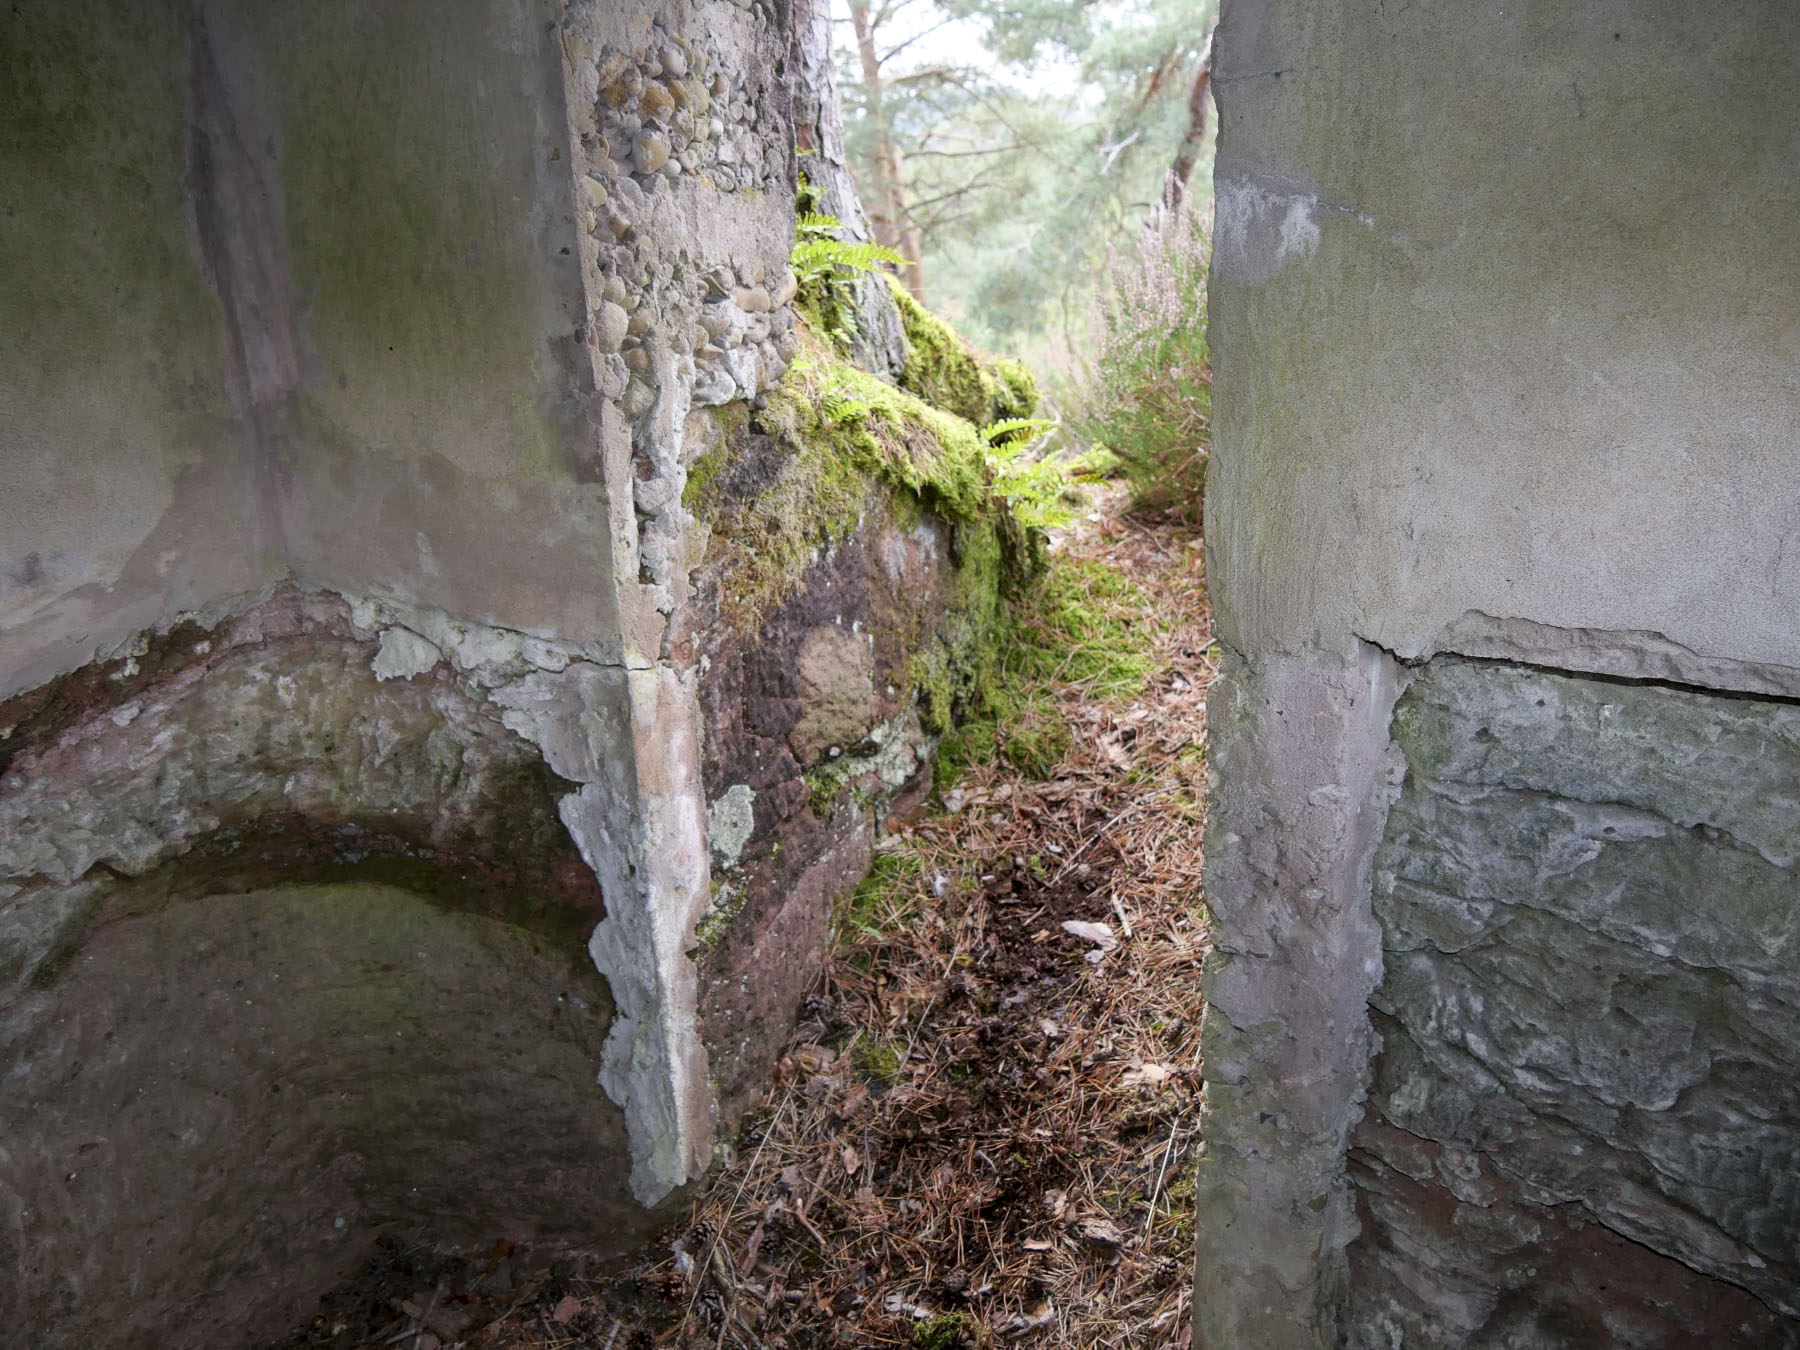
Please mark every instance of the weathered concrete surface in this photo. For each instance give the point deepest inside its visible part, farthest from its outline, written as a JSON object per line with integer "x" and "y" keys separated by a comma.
{"x": 1589, "y": 895}
{"x": 308, "y": 309}
{"x": 343, "y": 537}
{"x": 1547, "y": 366}
{"x": 393, "y": 304}
{"x": 284, "y": 946}
{"x": 1505, "y": 305}
{"x": 1300, "y": 749}
{"x": 356, "y": 630}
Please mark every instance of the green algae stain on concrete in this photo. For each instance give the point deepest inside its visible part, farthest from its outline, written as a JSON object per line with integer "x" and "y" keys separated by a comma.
{"x": 410, "y": 222}
{"x": 102, "y": 274}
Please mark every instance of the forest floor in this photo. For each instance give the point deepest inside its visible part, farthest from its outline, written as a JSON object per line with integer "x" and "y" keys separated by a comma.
{"x": 984, "y": 1128}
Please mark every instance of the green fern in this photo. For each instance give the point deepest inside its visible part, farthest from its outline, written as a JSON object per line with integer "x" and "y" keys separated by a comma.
{"x": 822, "y": 262}
{"x": 816, "y": 258}
{"x": 1037, "y": 490}
{"x": 1015, "y": 433}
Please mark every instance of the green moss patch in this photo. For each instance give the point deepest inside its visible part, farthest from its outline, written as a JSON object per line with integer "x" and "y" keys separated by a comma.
{"x": 884, "y": 432}
{"x": 831, "y": 448}
{"x": 1086, "y": 626}
{"x": 946, "y": 1331}
{"x": 947, "y": 372}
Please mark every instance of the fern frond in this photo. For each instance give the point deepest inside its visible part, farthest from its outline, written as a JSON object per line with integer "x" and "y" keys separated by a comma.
{"x": 816, "y": 257}
{"x": 1015, "y": 433}
{"x": 813, "y": 222}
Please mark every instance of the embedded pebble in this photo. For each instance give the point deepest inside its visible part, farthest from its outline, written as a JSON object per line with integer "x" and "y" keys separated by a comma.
{"x": 652, "y": 153}
{"x": 657, "y": 102}
{"x": 625, "y": 88}
{"x": 610, "y": 325}
{"x": 651, "y": 495}
{"x": 639, "y": 399}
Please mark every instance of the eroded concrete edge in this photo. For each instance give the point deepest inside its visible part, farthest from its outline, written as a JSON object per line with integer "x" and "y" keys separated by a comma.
{"x": 1304, "y": 743}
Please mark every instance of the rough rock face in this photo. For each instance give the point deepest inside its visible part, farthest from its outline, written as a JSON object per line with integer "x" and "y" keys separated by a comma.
{"x": 841, "y": 609}
{"x": 1585, "y": 1109}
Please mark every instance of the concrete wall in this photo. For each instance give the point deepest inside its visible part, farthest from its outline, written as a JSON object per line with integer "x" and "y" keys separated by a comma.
{"x": 421, "y": 805}
{"x": 1505, "y": 314}
{"x": 296, "y": 296}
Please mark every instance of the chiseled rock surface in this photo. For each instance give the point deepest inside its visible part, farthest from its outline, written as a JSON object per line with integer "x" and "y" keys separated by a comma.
{"x": 1586, "y": 1107}
{"x": 209, "y": 1112}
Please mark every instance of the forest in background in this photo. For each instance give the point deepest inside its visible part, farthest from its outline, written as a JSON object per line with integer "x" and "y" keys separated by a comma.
{"x": 1010, "y": 148}
{"x": 1044, "y": 170}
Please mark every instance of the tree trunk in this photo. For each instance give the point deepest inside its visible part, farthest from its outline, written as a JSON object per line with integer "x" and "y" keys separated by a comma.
{"x": 1175, "y": 190}
{"x": 894, "y": 227}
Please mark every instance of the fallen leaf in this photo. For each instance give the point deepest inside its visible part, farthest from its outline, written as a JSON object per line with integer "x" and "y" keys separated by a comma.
{"x": 852, "y": 1159}
{"x": 1101, "y": 1232}
{"x": 854, "y": 1100}
{"x": 1041, "y": 1316}
{"x": 1100, "y": 934}
{"x": 900, "y": 1305}
{"x": 1150, "y": 1075}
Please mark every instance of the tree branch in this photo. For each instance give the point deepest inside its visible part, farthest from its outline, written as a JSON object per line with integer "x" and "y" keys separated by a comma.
{"x": 892, "y": 52}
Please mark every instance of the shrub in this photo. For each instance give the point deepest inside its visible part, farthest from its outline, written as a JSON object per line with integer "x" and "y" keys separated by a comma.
{"x": 1147, "y": 394}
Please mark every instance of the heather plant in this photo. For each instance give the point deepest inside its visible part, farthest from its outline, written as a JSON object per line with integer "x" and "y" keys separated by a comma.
{"x": 1147, "y": 392}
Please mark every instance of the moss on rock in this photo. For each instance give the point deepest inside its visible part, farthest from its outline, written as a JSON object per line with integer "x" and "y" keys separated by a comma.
{"x": 838, "y": 446}
{"x": 834, "y": 454}
{"x": 948, "y": 373}
{"x": 886, "y": 433}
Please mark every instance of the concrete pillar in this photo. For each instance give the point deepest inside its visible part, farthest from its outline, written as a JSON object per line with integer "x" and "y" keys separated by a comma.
{"x": 1504, "y": 331}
